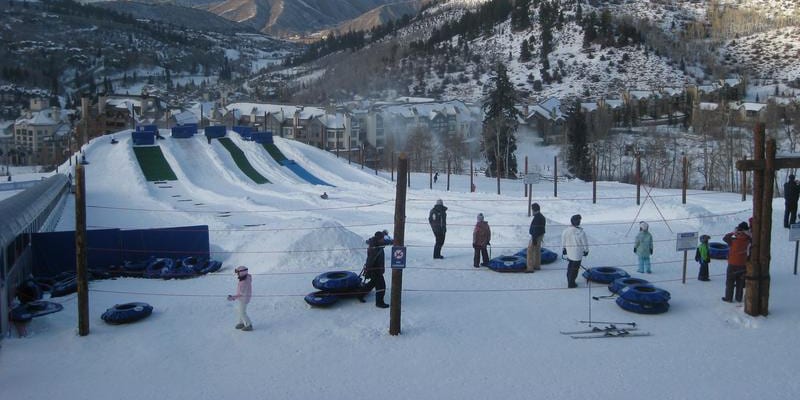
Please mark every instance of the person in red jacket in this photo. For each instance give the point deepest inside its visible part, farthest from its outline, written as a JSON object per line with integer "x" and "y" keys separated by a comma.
{"x": 481, "y": 236}
{"x": 738, "y": 254}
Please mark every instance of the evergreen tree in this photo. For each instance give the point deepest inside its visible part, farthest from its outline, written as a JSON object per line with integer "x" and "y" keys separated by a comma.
{"x": 520, "y": 20}
{"x": 547, "y": 19}
{"x": 500, "y": 124}
{"x": 524, "y": 52}
{"x": 578, "y": 160}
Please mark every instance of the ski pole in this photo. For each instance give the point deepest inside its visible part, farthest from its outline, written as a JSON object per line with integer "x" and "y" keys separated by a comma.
{"x": 610, "y": 323}
{"x": 604, "y": 297}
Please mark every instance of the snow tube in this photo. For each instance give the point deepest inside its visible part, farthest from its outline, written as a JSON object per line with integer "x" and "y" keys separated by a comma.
{"x": 547, "y": 255}
{"x": 321, "y": 298}
{"x": 644, "y": 294}
{"x": 508, "y": 264}
{"x": 29, "y": 291}
{"x": 336, "y": 281}
{"x": 136, "y": 269}
{"x": 158, "y": 267}
{"x": 604, "y": 274}
{"x": 128, "y": 312}
{"x": 65, "y": 287}
{"x": 25, "y": 312}
{"x": 718, "y": 250}
{"x": 211, "y": 266}
{"x": 620, "y": 283}
{"x": 639, "y": 308}
{"x": 200, "y": 265}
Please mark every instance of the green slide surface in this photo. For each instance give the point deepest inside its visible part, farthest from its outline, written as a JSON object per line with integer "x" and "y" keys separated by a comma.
{"x": 154, "y": 166}
{"x": 241, "y": 161}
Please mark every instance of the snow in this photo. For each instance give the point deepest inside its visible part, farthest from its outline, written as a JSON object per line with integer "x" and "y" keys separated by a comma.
{"x": 466, "y": 332}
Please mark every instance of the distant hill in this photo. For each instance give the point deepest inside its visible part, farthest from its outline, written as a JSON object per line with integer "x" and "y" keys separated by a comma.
{"x": 177, "y": 15}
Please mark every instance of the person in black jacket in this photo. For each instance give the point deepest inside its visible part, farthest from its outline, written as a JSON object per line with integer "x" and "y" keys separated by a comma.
{"x": 534, "y": 259}
{"x": 791, "y": 192}
{"x": 374, "y": 269}
{"x": 438, "y": 220}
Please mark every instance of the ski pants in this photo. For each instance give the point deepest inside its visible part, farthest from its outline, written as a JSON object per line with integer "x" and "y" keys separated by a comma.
{"x": 644, "y": 264}
{"x": 375, "y": 281}
{"x": 572, "y": 272}
{"x": 243, "y": 318}
{"x": 734, "y": 280}
{"x": 703, "y": 274}
{"x": 480, "y": 251}
{"x": 534, "y": 259}
{"x": 437, "y": 248}
{"x": 790, "y": 214}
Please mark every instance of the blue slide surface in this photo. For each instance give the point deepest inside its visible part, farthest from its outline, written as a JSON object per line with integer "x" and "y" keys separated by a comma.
{"x": 302, "y": 173}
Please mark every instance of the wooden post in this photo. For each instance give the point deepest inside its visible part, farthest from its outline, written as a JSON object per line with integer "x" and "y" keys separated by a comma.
{"x": 448, "y": 174}
{"x": 80, "y": 251}
{"x": 638, "y": 177}
{"x": 391, "y": 161}
{"x": 529, "y": 189}
{"x": 685, "y": 178}
{"x": 555, "y": 176}
{"x": 594, "y": 178}
{"x": 751, "y": 303}
{"x": 430, "y": 175}
{"x": 525, "y": 185}
{"x": 349, "y": 150}
{"x": 407, "y": 174}
{"x": 399, "y": 240}
{"x": 471, "y": 175}
{"x": 685, "y": 257}
{"x": 744, "y": 184}
{"x": 765, "y": 234}
{"x": 361, "y": 152}
{"x": 497, "y": 161}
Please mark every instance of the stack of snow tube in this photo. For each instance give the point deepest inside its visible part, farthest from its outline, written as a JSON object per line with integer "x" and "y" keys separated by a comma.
{"x": 643, "y": 299}
{"x": 547, "y": 255}
{"x": 620, "y": 283}
{"x": 128, "y": 312}
{"x": 33, "y": 309}
{"x": 604, "y": 274}
{"x": 167, "y": 268}
{"x": 513, "y": 263}
{"x": 332, "y": 286}
{"x": 718, "y": 250}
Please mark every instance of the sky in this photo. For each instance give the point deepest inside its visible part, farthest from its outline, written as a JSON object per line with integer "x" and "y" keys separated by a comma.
{"x": 465, "y": 332}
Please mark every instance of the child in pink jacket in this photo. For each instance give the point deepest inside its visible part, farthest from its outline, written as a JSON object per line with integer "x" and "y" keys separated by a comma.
{"x": 244, "y": 291}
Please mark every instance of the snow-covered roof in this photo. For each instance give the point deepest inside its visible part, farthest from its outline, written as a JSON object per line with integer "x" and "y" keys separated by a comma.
{"x": 124, "y": 103}
{"x": 453, "y": 108}
{"x": 332, "y": 121}
{"x": 642, "y": 94}
{"x": 731, "y": 81}
{"x": 207, "y": 108}
{"x": 705, "y": 106}
{"x": 752, "y": 106}
{"x": 280, "y": 111}
{"x": 550, "y": 109}
{"x": 708, "y": 88}
{"x": 407, "y": 99}
{"x": 614, "y": 103}
{"x": 186, "y": 117}
{"x": 43, "y": 117}
{"x": 589, "y": 107}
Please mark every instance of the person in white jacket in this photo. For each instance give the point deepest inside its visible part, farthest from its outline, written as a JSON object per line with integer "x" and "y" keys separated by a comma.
{"x": 575, "y": 246}
{"x": 244, "y": 290}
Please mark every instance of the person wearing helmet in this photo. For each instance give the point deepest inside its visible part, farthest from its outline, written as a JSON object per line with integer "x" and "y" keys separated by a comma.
{"x": 438, "y": 221}
{"x": 481, "y": 236}
{"x": 575, "y": 246}
{"x": 244, "y": 290}
{"x": 643, "y": 247}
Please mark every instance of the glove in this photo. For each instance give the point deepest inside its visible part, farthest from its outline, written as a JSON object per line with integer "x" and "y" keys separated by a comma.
{"x": 586, "y": 253}
{"x": 651, "y": 251}
{"x": 634, "y": 249}
{"x": 231, "y": 298}
{"x": 563, "y": 252}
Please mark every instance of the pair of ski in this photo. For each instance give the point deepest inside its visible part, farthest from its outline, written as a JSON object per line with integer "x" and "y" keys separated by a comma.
{"x": 609, "y": 331}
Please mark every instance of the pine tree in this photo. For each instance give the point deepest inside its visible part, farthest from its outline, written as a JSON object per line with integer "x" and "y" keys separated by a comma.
{"x": 500, "y": 124}
{"x": 577, "y": 144}
{"x": 524, "y": 52}
{"x": 520, "y": 20}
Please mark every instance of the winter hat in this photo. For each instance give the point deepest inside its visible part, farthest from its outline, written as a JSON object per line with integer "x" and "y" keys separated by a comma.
{"x": 240, "y": 268}
{"x": 439, "y": 202}
{"x": 535, "y": 207}
{"x": 575, "y": 220}
{"x": 480, "y": 217}
{"x": 704, "y": 238}
{"x": 742, "y": 226}
{"x": 379, "y": 235}
{"x": 643, "y": 225}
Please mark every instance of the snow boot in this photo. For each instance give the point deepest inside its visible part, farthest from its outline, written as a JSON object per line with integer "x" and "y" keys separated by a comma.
{"x": 379, "y": 299}
{"x": 239, "y": 325}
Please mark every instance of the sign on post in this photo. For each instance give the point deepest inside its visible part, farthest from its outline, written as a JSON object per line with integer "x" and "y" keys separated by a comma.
{"x": 686, "y": 241}
{"x": 398, "y": 257}
{"x": 532, "y": 178}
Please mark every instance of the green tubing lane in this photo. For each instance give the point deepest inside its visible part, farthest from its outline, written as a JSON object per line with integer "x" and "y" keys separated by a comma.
{"x": 274, "y": 152}
{"x": 241, "y": 161}
{"x": 154, "y": 166}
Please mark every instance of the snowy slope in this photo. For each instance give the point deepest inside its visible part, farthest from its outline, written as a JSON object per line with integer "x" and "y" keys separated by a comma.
{"x": 466, "y": 333}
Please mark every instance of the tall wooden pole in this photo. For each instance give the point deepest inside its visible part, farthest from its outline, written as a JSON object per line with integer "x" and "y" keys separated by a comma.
{"x": 751, "y": 301}
{"x": 685, "y": 178}
{"x": 766, "y": 229}
{"x": 362, "y": 156}
{"x": 471, "y": 175}
{"x": 399, "y": 240}
{"x": 391, "y": 161}
{"x": 80, "y": 251}
{"x": 555, "y": 176}
{"x": 430, "y": 174}
{"x": 638, "y": 178}
{"x": 744, "y": 184}
{"x": 529, "y": 189}
{"x": 448, "y": 174}
{"x": 594, "y": 178}
{"x": 497, "y": 160}
{"x": 525, "y": 185}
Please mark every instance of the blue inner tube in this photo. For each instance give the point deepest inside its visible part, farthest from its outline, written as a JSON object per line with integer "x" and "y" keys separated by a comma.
{"x": 604, "y": 274}
{"x": 158, "y": 267}
{"x": 620, "y": 283}
{"x": 644, "y": 294}
{"x": 65, "y": 287}
{"x": 336, "y": 281}
{"x": 211, "y": 266}
{"x": 718, "y": 250}
{"x": 29, "y": 291}
{"x": 321, "y": 298}
{"x": 548, "y": 256}
{"x": 26, "y": 312}
{"x": 651, "y": 308}
{"x": 513, "y": 263}
{"x": 128, "y": 312}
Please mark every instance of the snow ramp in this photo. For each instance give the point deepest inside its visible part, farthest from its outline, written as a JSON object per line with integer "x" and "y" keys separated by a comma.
{"x": 241, "y": 161}
{"x": 153, "y": 164}
{"x": 293, "y": 166}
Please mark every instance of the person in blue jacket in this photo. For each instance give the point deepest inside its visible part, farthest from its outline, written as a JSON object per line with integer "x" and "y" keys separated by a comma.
{"x": 644, "y": 247}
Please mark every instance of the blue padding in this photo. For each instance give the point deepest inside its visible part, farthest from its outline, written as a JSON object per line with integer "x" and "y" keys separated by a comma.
{"x": 321, "y": 299}
{"x": 25, "y": 312}
{"x": 263, "y": 137}
{"x": 302, "y": 173}
{"x": 620, "y": 283}
{"x": 245, "y": 132}
{"x": 165, "y": 242}
{"x": 644, "y": 294}
{"x": 147, "y": 128}
{"x": 718, "y": 250}
{"x": 652, "y": 308}
{"x": 128, "y": 312}
{"x": 508, "y": 264}
{"x": 337, "y": 281}
{"x": 54, "y": 252}
{"x": 604, "y": 274}
{"x": 183, "y": 131}
{"x": 143, "y": 138}
{"x": 215, "y": 132}
{"x": 547, "y": 255}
